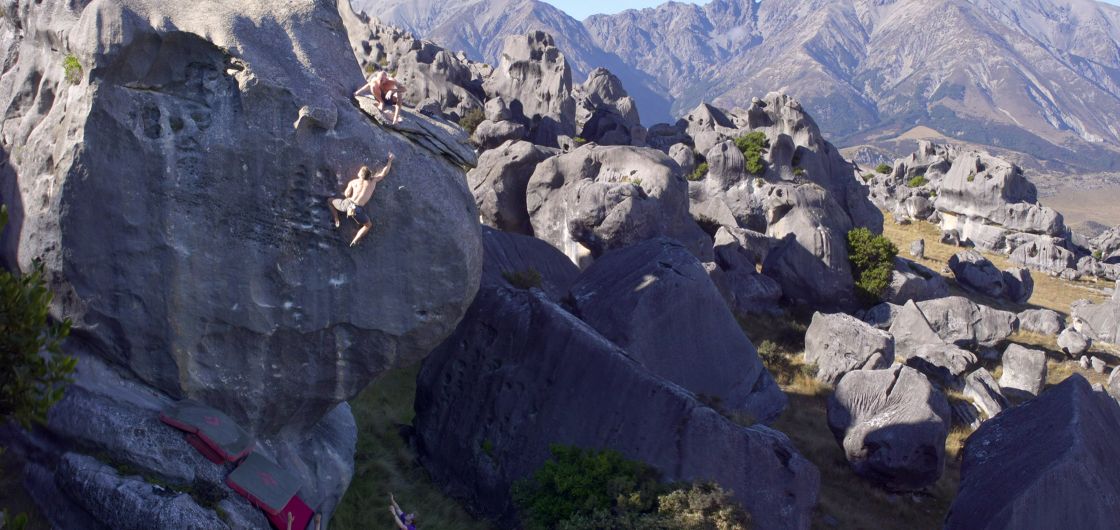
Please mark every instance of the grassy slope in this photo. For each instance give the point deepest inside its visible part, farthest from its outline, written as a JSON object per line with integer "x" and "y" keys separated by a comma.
{"x": 385, "y": 463}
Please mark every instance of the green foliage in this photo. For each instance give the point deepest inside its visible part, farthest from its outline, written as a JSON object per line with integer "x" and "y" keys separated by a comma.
{"x": 637, "y": 181}
{"x": 526, "y": 279}
{"x": 73, "y": 69}
{"x": 884, "y": 169}
{"x": 799, "y": 172}
{"x": 370, "y": 69}
{"x": 918, "y": 181}
{"x": 19, "y": 522}
{"x": 699, "y": 173}
{"x": 868, "y": 176}
{"x": 971, "y": 177}
{"x": 579, "y": 140}
{"x": 753, "y": 145}
{"x": 1098, "y": 255}
{"x": 470, "y": 121}
{"x": 872, "y": 258}
{"x": 30, "y": 382}
{"x": 488, "y": 448}
{"x": 580, "y": 489}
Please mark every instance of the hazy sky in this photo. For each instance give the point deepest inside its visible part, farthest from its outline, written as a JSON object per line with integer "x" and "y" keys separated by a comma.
{"x": 580, "y": 9}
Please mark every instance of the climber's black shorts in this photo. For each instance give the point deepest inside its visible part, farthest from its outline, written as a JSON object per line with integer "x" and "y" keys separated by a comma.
{"x": 352, "y": 210}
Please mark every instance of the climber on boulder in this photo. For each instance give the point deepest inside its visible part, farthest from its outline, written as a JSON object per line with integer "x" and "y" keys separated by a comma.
{"x": 405, "y": 521}
{"x": 384, "y": 89}
{"x": 355, "y": 197}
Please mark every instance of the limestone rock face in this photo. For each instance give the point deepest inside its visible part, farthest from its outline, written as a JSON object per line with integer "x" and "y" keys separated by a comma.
{"x": 536, "y": 79}
{"x": 183, "y": 220}
{"x": 1024, "y": 371}
{"x": 1100, "y": 322}
{"x": 913, "y": 281}
{"x": 521, "y": 373}
{"x": 1073, "y": 342}
{"x": 892, "y": 425}
{"x": 510, "y": 255}
{"x": 655, "y": 300}
{"x": 960, "y": 321}
{"x": 599, "y": 198}
{"x": 1049, "y": 463}
{"x": 491, "y": 134}
{"x": 840, "y": 343}
{"x": 734, "y": 272}
{"x": 499, "y": 183}
{"x": 1043, "y": 321}
{"x": 605, "y": 112}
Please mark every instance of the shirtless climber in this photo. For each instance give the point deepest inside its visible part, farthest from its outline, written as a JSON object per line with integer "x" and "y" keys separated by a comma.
{"x": 384, "y": 89}
{"x": 354, "y": 199}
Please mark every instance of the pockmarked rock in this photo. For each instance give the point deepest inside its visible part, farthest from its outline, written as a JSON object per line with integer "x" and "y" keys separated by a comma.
{"x": 839, "y": 343}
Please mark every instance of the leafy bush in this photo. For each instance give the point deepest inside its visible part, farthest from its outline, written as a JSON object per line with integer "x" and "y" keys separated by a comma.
{"x": 73, "y": 69}
{"x": 918, "y": 181}
{"x": 699, "y": 173}
{"x": 471, "y": 119}
{"x": 753, "y": 145}
{"x": 526, "y": 279}
{"x": 799, "y": 172}
{"x": 581, "y": 489}
{"x": 884, "y": 169}
{"x": 369, "y": 69}
{"x": 30, "y": 382}
{"x": 872, "y": 258}
{"x": 1098, "y": 255}
{"x": 971, "y": 177}
{"x": 579, "y": 140}
{"x": 867, "y": 177}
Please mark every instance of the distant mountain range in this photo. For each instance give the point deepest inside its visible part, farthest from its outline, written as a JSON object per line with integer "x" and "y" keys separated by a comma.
{"x": 1039, "y": 78}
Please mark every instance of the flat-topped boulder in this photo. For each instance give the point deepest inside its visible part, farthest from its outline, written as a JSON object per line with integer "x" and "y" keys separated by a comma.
{"x": 839, "y": 343}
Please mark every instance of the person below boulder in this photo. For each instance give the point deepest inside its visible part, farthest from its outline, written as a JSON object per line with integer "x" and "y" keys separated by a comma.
{"x": 405, "y": 521}
{"x": 384, "y": 89}
{"x": 357, "y": 194}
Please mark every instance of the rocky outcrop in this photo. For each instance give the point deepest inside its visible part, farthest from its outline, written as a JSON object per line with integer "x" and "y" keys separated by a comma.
{"x": 984, "y": 392}
{"x": 1024, "y": 371}
{"x": 175, "y": 188}
{"x": 1042, "y": 321}
{"x": 499, "y": 183}
{"x": 605, "y": 112}
{"x": 655, "y": 301}
{"x": 912, "y": 281}
{"x": 1049, "y": 463}
{"x": 942, "y": 363}
{"x": 960, "y": 321}
{"x": 526, "y": 261}
{"x": 537, "y": 81}
{"x": 978, "y": 274}
{"x": 1073, "y": 342}
{"x": 1100, "y": 322}
{"x": 892, "y": 425}
{"x": 600, "y": 198}
{"x": 520, "y": 373}
{"x": 839, "y": 343}
{"x": 735, "y": 274}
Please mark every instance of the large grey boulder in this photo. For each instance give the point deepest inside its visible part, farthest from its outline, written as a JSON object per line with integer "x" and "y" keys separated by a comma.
{"x": 984, "y": 392}
{"x": 911, "y": 330}
{"x": 605, "y": 112}
{"x": 490, "y": 134}
{"x": 1042, "y": 321}
{"x": 600, "y": 198}
{"x": 1024, "y": 371}
{"x": 1073, "y": 342}
{"x": 892, "y": 425}
{"x": 535, "y": 78}
{"x": 734, "y": 272}
{"x": 1049, "y": 463}
{"x": 521, "y": 374}
{"x": 977, "y": 274}
{"x": 179, "y": 144}
{"x": 960, "y": 321}
{"x": 839, "y": 343}
{"x": 913, "y": 281}
{"x": 1100, "y": 322}
{"x": 942, "y": 363}
{"x": 1044, "y": 254}
{"x": 655, "y": 300}
{"x": 516, "y": 258}
{"x": 499, "y": 183}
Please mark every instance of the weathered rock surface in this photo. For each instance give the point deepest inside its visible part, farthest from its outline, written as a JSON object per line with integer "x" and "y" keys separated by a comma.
{"x": 1043, "y": 321}
{"x": 1100, "y": 322}
{"x": 1024, "y": 371}
{"x": 918, "y": 249}
{"x": 735, "y": 274}
{"x": 655, "y": 301}
{"x": 605, "y": 112}
{"x": 911, "y": 330}
{"x": 600, "y": 198}
{"x": 977, "y": 274}
{"x": 499, "y": 183}
{"x": 984, "y": 392}
{"x": 232, "y": 242}
{"x": 892, "y": 425}
{"x": 491, "y": 134}
{"x": 913, "y": 281}
{"x": 839, "y": 343}
{"x": 520, "y": 374}
{"x": 534, "y": 74}
{"x": 1048, "y": 463}
{"x": 960, "y": 321}
{"x": 1073, "y": 342}
{"x": 509, "y": 255}
{"x": 942, "y": 363}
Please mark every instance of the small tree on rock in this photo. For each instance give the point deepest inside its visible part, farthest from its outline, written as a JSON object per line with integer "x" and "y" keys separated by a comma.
{"x": 872, "y": 259}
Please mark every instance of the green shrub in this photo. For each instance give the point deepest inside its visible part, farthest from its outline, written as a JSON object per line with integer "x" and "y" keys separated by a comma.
{"x": 872, "y": 259}
{"x": 370, "y": 69}
{"x": 971, "y": 177}
{"x": 884, "y": 169}
{"x": 579, "y": 140}
{"x": 73, "y": 69}
{"x": 488, "y": 448}
{"x": 918, "y": 181}
{"x": 526, "y": 279}
{"x": 799, "y": 172}
{"x": 1098, "y": 255}
{"x": 33, "y": 372}
{"x": 699, "y": 173}
{"x": 753, "y": 145}
{"x": 469, "y": 122}
{"x": 580, "y": 489}
{"x": 868, "y": 176}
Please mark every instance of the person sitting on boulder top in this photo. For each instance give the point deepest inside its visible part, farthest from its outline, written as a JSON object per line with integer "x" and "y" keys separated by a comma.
{"x": 405, "y": 521}
{"x": 384, "y": 89}
{"x": 357, "y": 194}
